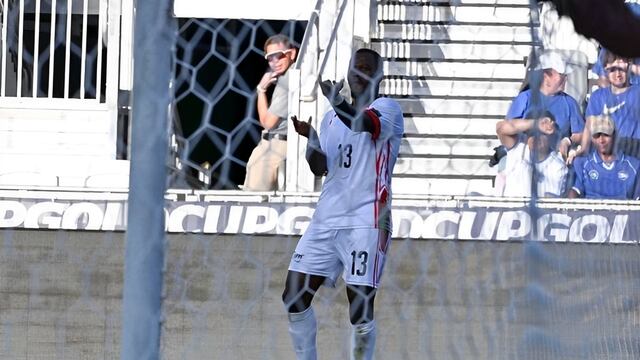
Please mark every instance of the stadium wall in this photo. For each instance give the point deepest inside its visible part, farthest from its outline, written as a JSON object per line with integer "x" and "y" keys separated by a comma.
{"x": 60, "y": 297}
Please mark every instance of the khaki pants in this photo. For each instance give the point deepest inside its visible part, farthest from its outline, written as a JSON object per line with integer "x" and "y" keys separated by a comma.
{"x": 263, "y": 165}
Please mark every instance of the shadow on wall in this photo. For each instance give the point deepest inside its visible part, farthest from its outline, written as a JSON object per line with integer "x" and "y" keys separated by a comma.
{"x": 218, "y": 64}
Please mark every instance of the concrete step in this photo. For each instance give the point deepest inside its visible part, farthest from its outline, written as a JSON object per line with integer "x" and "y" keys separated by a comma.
{"x": 454, "y": 32}
{"x": 425, "y": 124}
{"x": 453, "y": 147}
{"x": 472, "y": 13}
{"x": 444, "y": 167}
{"x": 447, "y": 87}
{"x": 451, "y": 52}
{"x": 58, "y": 142}
{"x": 456, "y": 107}
{"x": 65, "y": 171}
{"x": 441, "y": 186}
{"x": 456, "y": 69}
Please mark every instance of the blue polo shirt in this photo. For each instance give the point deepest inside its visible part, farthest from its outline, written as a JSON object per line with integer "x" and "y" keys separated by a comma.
{"x": 563, "y": 107}
{"x": 624, "y": 109}
{"x": 596, "y": 180}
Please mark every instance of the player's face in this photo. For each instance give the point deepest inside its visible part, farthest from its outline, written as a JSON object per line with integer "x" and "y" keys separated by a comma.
{"x": 279, "y": 57}
{"x": 603, "y": 143}
{"x": 617, "y": 73}
{"x": 362, "y": 73}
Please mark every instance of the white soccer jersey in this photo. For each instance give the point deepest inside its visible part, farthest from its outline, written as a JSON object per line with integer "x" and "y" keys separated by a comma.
{"x": 552, "y": 176}
{"x": 514, "y": 177}
{"x": 357, "y": 190}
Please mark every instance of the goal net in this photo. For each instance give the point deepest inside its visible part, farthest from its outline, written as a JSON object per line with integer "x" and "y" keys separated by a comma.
{"x": 471, "y": 273}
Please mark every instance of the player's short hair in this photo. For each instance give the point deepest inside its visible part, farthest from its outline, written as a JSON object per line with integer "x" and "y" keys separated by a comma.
{"x": 376, "y": 57}
{"x": 278, "y": 39}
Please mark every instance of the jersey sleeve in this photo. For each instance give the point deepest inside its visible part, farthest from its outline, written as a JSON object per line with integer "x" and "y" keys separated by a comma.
{"x": 390, "y": 118}
{"x": 578, "y": 183}
{"x": 323, "y": 130}
{"x": 518, "y": 106}
{"x": 575, "y": 116}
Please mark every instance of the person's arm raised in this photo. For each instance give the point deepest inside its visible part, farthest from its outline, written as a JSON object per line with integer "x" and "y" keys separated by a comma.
{"x": 367, "y": 120}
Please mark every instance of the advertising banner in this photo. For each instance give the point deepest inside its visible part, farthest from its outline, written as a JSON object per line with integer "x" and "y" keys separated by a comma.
{"x": 499, "y": 222}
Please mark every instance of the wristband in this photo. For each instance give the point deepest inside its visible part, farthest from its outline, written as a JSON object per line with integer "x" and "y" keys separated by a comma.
{"x": 260, "y": 89}
{"x": 567, "y": 139}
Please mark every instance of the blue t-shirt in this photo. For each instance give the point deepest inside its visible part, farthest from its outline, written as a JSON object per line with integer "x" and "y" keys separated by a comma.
{"x": 624, "y": 109}
{"x": 596, "y": 180}
{"x": 563, "y": 107}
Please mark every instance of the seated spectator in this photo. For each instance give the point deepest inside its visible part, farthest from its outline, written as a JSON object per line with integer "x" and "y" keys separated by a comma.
{"x": 531, "y": 141}
{"x": 605, "y": 173}
{"x": 552, "y": 98}
{"x": 621, "y": 102}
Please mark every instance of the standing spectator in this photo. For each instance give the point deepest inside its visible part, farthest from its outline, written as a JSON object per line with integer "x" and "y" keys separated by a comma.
{"x": 527, "y": 147}
{"x": 605, "y": 173}
{"x": 269, "y": 155}
{"x": 552, "y": 98}
{"x": 351, "y": 228}
{"x": 620, "y": 101}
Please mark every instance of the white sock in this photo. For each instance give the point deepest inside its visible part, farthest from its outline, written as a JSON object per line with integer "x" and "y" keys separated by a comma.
{"x": 303, "y": 328}
{"x": 363, "y": 341}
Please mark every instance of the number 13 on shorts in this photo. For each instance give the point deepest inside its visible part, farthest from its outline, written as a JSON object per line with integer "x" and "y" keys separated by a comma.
{"x": 363, "y": 253}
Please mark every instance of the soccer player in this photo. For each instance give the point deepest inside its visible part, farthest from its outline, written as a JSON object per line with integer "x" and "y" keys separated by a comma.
{"x": 351, "y": 227}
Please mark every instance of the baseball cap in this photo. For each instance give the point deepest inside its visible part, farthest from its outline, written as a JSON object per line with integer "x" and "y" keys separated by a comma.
{"x": 553, "y": 60}
{"x": 602, "y": 124}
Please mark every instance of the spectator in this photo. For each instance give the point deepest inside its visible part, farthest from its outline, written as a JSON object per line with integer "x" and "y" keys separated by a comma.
{"x": 603, "y": 78}
{"x": 531, "y": 141}
{"x": 621, "y": 102}
{"x": 605, "y": 173}
{"x": 269, "y": 155}
{"x": 552, "y": 98}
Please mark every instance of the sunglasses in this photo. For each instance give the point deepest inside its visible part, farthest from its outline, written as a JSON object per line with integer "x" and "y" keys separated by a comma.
{"x": 276, "y": 55}
{"x": 616, "y": 69}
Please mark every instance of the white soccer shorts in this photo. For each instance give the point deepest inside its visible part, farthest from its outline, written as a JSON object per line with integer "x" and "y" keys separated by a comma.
{"x": 358, "y": 253}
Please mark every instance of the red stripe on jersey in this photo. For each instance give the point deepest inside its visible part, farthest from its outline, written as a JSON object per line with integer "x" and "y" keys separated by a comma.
{"x": 373, "y": 115}
{"x": 375, "y": 200}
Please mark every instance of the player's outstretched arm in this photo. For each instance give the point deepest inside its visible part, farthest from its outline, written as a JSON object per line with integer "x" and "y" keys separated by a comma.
{"x": 315, "y": 157}
{"x": 356, "y": 121}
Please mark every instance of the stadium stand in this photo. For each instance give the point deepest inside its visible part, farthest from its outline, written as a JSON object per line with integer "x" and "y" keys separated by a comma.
{"x": 454, "y": 67}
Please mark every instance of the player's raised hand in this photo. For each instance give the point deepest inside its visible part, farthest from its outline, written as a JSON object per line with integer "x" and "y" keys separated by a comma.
{"x": 331, "y": 90}
{"x": 301, "y": 127}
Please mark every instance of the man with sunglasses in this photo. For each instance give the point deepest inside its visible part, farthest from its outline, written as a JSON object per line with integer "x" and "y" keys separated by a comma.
{"x": 269, "y": 155}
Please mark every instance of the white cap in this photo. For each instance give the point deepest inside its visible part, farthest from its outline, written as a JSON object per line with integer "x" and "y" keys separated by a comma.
{"x": 553, "y": 60}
